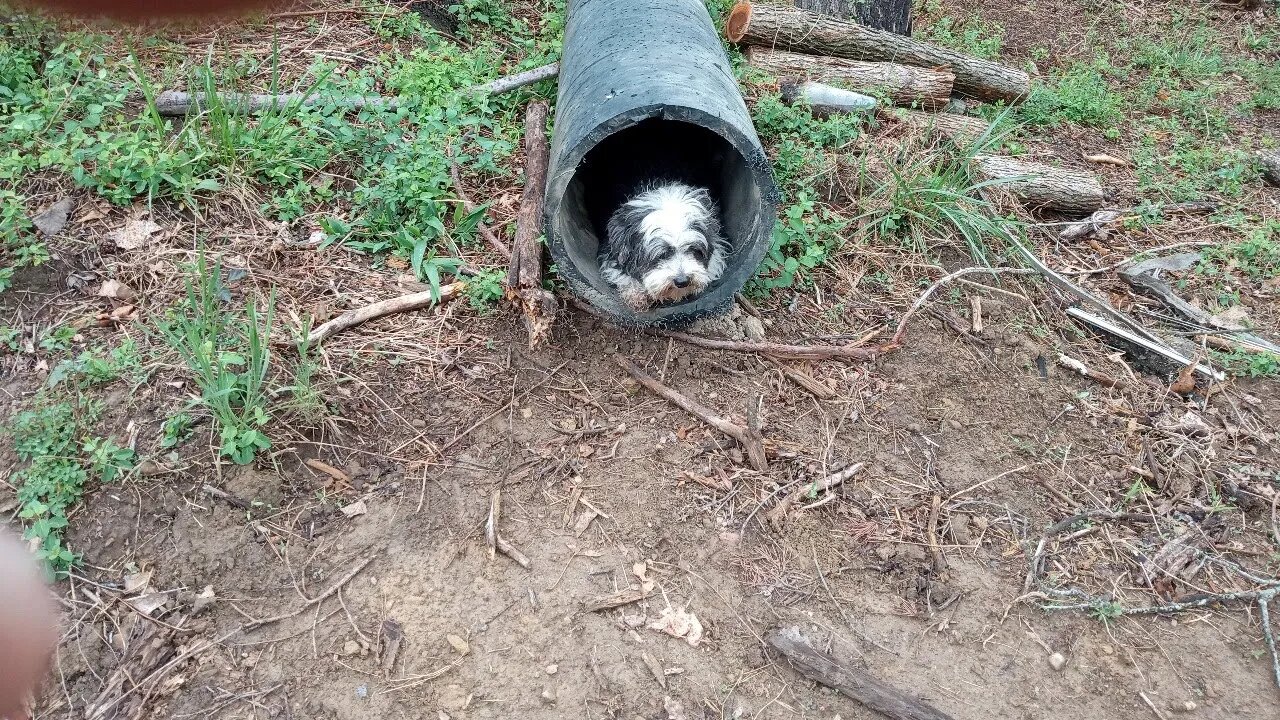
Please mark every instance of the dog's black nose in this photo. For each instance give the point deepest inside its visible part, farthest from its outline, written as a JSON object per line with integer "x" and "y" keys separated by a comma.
{"x": 680, "y": 281}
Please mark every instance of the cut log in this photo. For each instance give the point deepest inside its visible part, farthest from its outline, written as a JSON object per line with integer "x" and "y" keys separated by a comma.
{"x": 860, "y": 685}
{"x": 524, "y": 274}
{"x": 1270, "y": 162}
{"x": 959, "y": 129}
{"x": 890, "y": 15}
{"x": 903, "y": 84}
{"x": 1039, "y": 186}
{"x": 791, "y": 28}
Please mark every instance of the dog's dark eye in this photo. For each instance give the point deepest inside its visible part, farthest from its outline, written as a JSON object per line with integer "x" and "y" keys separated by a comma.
{"x": 666, "y": 253}
{"x": 700, "y": 254}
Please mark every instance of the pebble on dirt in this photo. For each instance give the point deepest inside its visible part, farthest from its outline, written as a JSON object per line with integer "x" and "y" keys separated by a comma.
{"x": 1057, "y": 661}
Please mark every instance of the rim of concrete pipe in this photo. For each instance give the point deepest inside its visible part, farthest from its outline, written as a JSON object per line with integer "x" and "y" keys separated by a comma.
{"x": 645, "y": 87}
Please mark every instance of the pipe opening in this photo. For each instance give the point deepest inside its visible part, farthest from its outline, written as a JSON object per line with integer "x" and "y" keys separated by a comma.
{"x": 655, "y": 149}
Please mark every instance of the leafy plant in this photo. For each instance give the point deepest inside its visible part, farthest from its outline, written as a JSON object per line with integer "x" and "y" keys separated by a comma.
{"x": 175, "y": 430}
{"x": 229, "y": 358}
{"x": 486, "y": 289}
{"x": 1080, "y": 95}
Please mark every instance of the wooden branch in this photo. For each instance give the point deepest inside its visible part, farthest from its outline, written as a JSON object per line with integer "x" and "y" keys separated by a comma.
{"x": 518, "y": 80}
{"x": 524, "y": 274}
{"x": 404, "y": 303}
{"x": 824, "y": 668}
{"x": 795, "y": 29}
{"x": 1098, "y": 225}
{"x": 174, "y": 102}
{"x": 485, "y": 231}
{"x": 825, "y": 100}
{"x": 778, "y": 515}
{"x": 904, "y": 84}
{"x": 1039, "y": 186}
{"x": 1101, "y": 378}
{"x": 751, "y": 442}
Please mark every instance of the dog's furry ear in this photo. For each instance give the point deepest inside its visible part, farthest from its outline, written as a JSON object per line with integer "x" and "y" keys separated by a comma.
{"x": 626, "y": 239}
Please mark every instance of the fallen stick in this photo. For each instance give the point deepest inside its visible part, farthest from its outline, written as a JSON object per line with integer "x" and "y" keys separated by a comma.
{"x": 903, "y": 84}
{"x": 1039, "y": 186}
{"x": 176, "y": 102}
{"x": 485, "y": 231}
{"x": 404, "y": 303}
{"x": 1071, "y": 363}
{"x": 794, "y": 29}
{"x": 778, "y": 514}
{"x": 859, "y": 685}
{"x": 901, "y": 330}
{"x": 494, "y": 539}
{"x": 524, "y": 273}
{"x": 310, "y": 602}
{"x": 1098, "y": 225}
{"x": 751, "y": 442}
{"x": 617, "y": 599}
{"x": 804, "y": 380}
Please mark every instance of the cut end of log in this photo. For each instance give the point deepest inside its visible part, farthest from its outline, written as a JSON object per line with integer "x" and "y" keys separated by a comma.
{"x": 739, "y": 19}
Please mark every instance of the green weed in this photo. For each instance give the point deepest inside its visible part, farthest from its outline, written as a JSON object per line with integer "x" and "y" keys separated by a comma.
{"x": 971, "y": 35}
{"x": 486, "y": 289}
{"x": 229, "y": 357}
{"x": 1080, "y": 94}
{"x": 53, "y": 440}
{"x": 175, "y": 430}
{"x": 1250, "y": 364}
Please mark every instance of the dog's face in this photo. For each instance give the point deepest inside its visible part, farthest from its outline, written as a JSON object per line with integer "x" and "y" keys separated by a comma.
{"x": 674, "y": 236}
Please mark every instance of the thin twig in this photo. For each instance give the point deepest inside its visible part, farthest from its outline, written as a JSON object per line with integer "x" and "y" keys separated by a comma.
{"x": 254, "y": 625}
{"x": 778, "y": 514}
{"x": 901, "y": 330}
{"x": 752, "y": 442}
{"x": 485, "y": 231}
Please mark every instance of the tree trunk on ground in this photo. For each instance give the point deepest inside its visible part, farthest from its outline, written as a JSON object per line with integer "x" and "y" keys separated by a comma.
{"x": 959, "y": 129}
{"x": 794, "y": 29}
{"x": 890, "y": 15}
{"x": 524, "y": 274}
{"x": 903, "y": 84}
{"x": 1041, "y": 187}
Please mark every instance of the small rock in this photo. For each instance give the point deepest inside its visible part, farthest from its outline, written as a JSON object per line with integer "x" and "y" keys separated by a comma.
{"x": 362, "y": 691}
{"x": 953, "y": 424}
{"x": 462, "y": 646}
{"x": 752, "y": 328}
{"x": 117, "y": 290}
{"x": 552, "y": 669}
{"x": 204, "y": 600}
{"x": 1057, "y": 661}
{"x": 1185, "y": 707}
{"x": 549, "y": 696}
{"x": 51, "y": 221}
{"x": 351, "y": 647}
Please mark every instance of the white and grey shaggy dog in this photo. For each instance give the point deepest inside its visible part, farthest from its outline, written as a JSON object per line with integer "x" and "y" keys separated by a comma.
{"x": 664, "y": 244}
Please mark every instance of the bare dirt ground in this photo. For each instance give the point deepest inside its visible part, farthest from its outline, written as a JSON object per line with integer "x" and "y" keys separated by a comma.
{"x": 974, "y": 442}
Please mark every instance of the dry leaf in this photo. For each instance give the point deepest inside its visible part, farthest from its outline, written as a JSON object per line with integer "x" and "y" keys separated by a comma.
{"x": 679, "y": 623}
{"x": 134, "y": 234}
{"x": 356, "y": 508}
{"x": 52, "y": 220}
{"x": 584, "y": 521}
{"x": 116, "y": 289}
{"x": 147, "y": 604}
